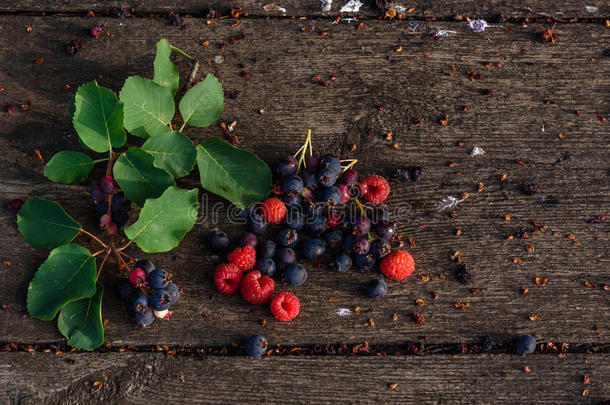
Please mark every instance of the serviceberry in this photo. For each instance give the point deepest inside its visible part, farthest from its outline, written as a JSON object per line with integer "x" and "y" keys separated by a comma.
{"x": 361, "y": 225}
{"x": 294, "y": 218}
{"x": 256, "y": 346}
{"x": 287, "y": 166}
{"x": 330, "y": 162}
{"x": 385, "y": 229}
{"x": 287, "y": 238}
{"x": 266, "y": 266}
{"x": 311, "y": 163}
{"x": 327, "y": 177}
{"x": 96, "y": 193}
{"x": 145, "y": 265}
{"x": 249, "y": 239}
{"x": 137, "y": 277}
{"x": 380, "y": 248}
{"x": 349, "y": 177}
{"x": 333, "y": 238}
{"x": 345, "y": 193}
{"x": 173, "y": 291}
{"x": 126, "y": 290}
{"x": 313, "y": 249}
{"x": 310, "y": 180}
{"x": 158, "y": 278}
{"x": 107, "y": 184}
{"x": 144, "y": 319}
{"x": 365, "y": 261}
{"x": 361, "y": 246}
{"x": 140, "y": 303}
{"x": 341, "y": 263}
{"x": 257, "y": 225}
{"x": 267, "y": 249}
{"x": 526, "y": 344}
{"x": 315, "y": 224}
{"x": 285, "y": 257}
{"x": 218, "y": 240}
{"x": 160, "y": 300}
{"x": 295, "y": 274}
{"x": 328, "y": 195}
{"x": 377, "y": 288}
{"x": 292, "y": 185}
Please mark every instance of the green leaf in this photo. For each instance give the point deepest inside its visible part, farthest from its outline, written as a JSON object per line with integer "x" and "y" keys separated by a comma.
{"x": 98, "y": 117}
{"x": 164, "y": 221}
{"x": 68, "y": 167}
{"x": 203, "y": 103}
{"x": 233, "y": 173}
{"x": 148, "y": 107}
{"x": 81, "y": 321}
{"x": 173, "y": 152}
{"x": 166, "y": 73}
{"x": 44, "y": 224}
{"x": 67, "y": 275}
{"x": 135, "y": 173}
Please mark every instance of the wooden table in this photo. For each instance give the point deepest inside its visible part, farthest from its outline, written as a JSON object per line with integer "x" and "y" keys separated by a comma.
{"x": 538, "y": 110}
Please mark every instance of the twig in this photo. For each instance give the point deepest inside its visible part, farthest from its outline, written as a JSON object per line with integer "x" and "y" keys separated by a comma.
{"x": 544, "y": 15}
{"x": 95, "y": 238}
{"x": 99, "y": 269}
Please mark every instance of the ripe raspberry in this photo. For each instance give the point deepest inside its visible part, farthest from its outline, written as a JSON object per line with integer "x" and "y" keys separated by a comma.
{"x": 243, "y": 257}
{"x": 285, "y": 306}
{"x": 374, "y": 188}
{"x": 256, "y": 288}
{"x": 273, "y": 210}
{"x": 397, "y": 265}
{"x": 227, "y": 277}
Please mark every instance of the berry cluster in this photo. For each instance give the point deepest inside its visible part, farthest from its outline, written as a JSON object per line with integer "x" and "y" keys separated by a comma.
{"x": 115, "y": 216}
{"x": 149, "y": 292}
{"x": 320, "y": 208}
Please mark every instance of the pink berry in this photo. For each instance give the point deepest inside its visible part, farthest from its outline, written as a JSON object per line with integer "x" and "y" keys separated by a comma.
{"x": 95, "y": 31}
{"x": 107, "y": 184}
{"x": 137, "y": 276}
{"x": 105, "y": 219}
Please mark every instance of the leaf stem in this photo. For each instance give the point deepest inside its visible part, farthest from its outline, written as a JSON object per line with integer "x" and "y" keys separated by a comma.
{"x": 348, "y": 166}
{"x": 99, "y": 269}
{"x": 101, "y": 160}
{"x": 181, "y": 52}
{"x": 182, "y": 127}
{"x": 125, "y": 246}
{"x": 95, "y": 238}
{"x": 98, "y": 252}
{"x": 303, "y": 151}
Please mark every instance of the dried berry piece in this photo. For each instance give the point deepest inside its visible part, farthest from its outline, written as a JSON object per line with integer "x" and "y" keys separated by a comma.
{"x": 462, "y": 274}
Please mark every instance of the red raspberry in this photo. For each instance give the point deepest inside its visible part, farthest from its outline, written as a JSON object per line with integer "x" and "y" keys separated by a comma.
{"x": 397, "y": 265}
{"x": 374, "y": 188}
{"x": 273, "y": 210}
{"x": 243, "y": 257}
{"x": 227, "y": 277}
{"x": 285, "y": 306}
{"x": 256, "y": 288}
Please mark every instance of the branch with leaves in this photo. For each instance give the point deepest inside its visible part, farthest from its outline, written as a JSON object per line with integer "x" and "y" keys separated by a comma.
{"x": 67, "y": 284}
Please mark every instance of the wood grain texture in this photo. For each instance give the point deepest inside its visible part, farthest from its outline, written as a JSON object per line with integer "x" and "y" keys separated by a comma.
{"x": 418, "y": 8}
{"x": 418, "y": 82}
{"x": 128, "y": 378}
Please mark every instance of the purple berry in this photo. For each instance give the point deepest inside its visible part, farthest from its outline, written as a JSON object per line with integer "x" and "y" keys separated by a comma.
{"x": 333, "y": 238}
{"x": 266, "y": 266}
{"x": 287, "y": 238}
{"x": 267, "y": 249}
{"x": 285, "y": 257}
{"x": 341, "y": 263}
{"x": 257, "y": 225}
{"x": 361, "y": 246}
{"x": 107, "y": 184}
{"x": 311, "y": 163}
{"x": 287, "y": 166}
{"x": 256, "y": 346}
{"x": 310, "y": 180}
{"x": 345, "y": 193}
{"x": 377, "y": 288}
{"x": 361, "y": 225}
{"x": 218, "y": 240}
{"x": 349, "y": 177}
{"x": 173, "y": 291}
{"x": 95, "y": 31}
{"x": 292, "y": 185}
{"x": 295, "y": 274}
{"x": 249, "y": 239}
{"x": 385, "y": 230}
{"x": 328, "y": 195}
{"x": 380, "y": 248}
{"x": 365, "y": 261}
{"x": 96, "y": 193}
{"x": 313, "y": 249}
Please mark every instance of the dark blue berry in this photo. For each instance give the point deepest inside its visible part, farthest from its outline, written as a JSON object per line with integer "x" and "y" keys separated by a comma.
{"x": 257, "y": 225}
{"x": 294, "y": 218}
{"x": 488, "y": 343}
{"x": 333, "y": 238}
{"x": 377, "y": 288}
{"x": 292, "y": 185}
{"x": 313, "y": 249}
{"x": 328, "y": 195}
{"x": 295, "y": 274}
{"x": 160, "y": 300}
{"x": 144, "y": 319}
{"x": 120, "y": 219}
{"x": 266, "y": 266}
{"x": 96, "y": 193}
{"x": 287, "y": 238}
{"x": 285, "y": 257}
{"x": 119, "y": 203}
{"x": 158, "y": 278}
{"x": 526, "y": 344}
{"x": 267, "y": 249}
{"x": 173, "y": 291}
{"x": 218, "y": 240}
{"x": 126, "y": 290}
{"x": 348, "y": 241}
{"x": 312, "y": 208}
{"x": 145, "y": 265}
{"x": 365, "y": 261}
{"x": 341, "y": 263}
{"x": 310, "y": 180}
{"x": 315, "y": 224}
{"x": 330, "y": 162}
{"x": 385, "y": 229}
{"x": 361, "y": 246}
{"x": 326, "y": 178}
{"x": 287, "y": 166}
{"x": 256, "y": 346}
{"x": 380, "y": 248}
{"x": 249, "y": 239}
{"x": 140, "y": 303}
{"x": 101, "y": 209}
{"x": 292, "y": 199}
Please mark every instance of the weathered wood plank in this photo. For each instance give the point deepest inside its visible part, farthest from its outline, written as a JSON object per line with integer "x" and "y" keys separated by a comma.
{"x": 281, "y": 60}
{"x": 156, "y": 379}
{"x": 417, "y": 8}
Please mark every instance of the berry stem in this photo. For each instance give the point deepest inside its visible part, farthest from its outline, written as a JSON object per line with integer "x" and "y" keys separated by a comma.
{"x": 98, "y": 252}
{"x": 99, "y": 269}
{"x": 126, "y": 255}
{"x": 349, "y": 165}
{"x": 181, "y": 52}
{"x": 122, "y": 263}
{"x": 95, "y": 238}
{"x": 124, "y": 246}
{"x": 303, "y": 151}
